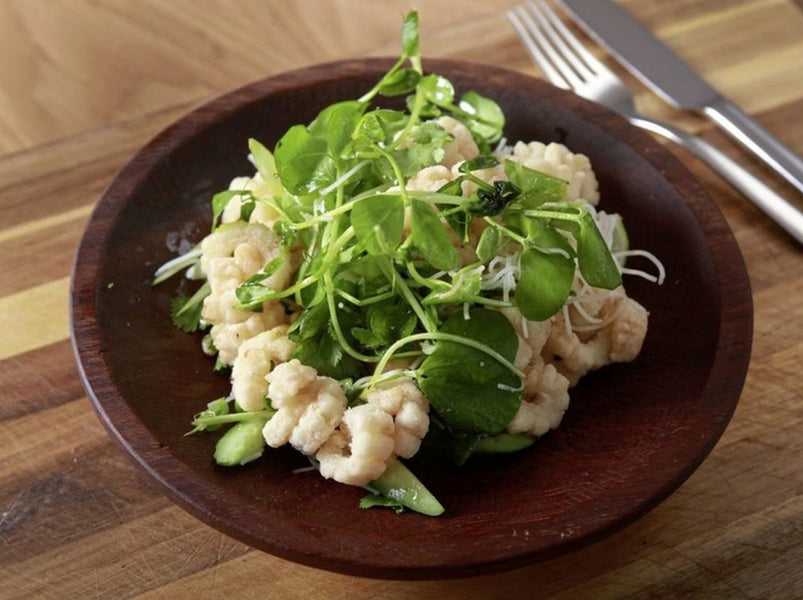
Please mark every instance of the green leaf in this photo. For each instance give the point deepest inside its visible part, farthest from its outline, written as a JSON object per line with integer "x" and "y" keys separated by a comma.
{"x": 544, "y": 283}
{"x": 536, "y": 187}
{"x": 326, "y": 356}
{"x": 303, "y": 161}
{"x": 484, "y": 118}
{"x": 386, "y": 322}
{"x": 253, "y": 294}
{"x": 437, "y": 89}
{"x": 478, "y": 163}
{"x": 430, "y": 237}
{"x": 201, "y": 420}
{"x": 466, "y": 286}
{"x": 409, "y": 35}
{"x": 396, "y": 83}
{"x": 380, "y": 501}
{"x": 427, "y": 148}
{"x": 185, "y": 311}
{"x": 378, "y": 222}
{"x": 442, "y": 446}
{"x": 221, "y": 200}
{"x": 336, "y": 123}
{"x": 470, "y": 390}
{"x": 263, "y": 159}
{"x": 311, "y": 323}
{"x": 378, "y": 126}
{"x": 493, "y": 201}
{"x": 594, "y": 259}
{"x": 318, "y": 346}
{"x": 490, "y": 244}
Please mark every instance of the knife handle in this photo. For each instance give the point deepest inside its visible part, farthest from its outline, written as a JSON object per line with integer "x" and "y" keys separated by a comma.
{"x": 757, "y": 139}
{"x": 764, "y": 197}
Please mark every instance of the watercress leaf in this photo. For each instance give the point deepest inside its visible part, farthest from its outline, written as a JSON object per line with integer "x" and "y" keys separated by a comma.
{"x": 544, "y": 283}
{"x": 270, "y": 269}
{"x": 430, "y": 237}
{"x": 378, "y": 222}
{"x": 392, "y": 321}
{"x": 453, "y": 187}
{"x": 490, "y": 244}
{"x": 336, "y": 123}
{"x": 484, "y": 118}
{"x": 409, "y": 35}
{"x": 479, "y": 162}
{"x": 220, "y": 201}
{"x": 396, "y": 83}
{"x": 437, "y": 89}
{"x": 596, "y": 264}
{"x": 303, "y": 161}
{"x": 470, "y": 390}
{"x": 536, "y": 187}
{"x": 378, "y": 126}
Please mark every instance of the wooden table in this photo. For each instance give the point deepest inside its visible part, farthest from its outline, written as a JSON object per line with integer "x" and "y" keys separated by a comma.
{"x": 83, "y": 84}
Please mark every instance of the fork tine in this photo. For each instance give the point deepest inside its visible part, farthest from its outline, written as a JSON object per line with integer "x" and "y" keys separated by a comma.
{"x": 590, "y": 62}
{"x": 539, "y": 48}
{"x": 562, "y": 57}
{"x": 571, "y": 66}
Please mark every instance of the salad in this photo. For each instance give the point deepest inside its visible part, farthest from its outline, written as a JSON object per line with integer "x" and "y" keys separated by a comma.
{"x": 391, "y": 284}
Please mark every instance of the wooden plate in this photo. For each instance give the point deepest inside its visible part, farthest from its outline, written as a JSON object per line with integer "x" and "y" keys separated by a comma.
{"x": 633, "y": 432}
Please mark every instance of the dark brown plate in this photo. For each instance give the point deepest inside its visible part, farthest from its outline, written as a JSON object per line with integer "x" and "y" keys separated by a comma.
{"x": 632, "y": 435}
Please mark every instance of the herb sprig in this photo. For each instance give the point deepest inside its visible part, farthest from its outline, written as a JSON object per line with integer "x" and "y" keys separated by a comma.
{"x": 379, "y": 275}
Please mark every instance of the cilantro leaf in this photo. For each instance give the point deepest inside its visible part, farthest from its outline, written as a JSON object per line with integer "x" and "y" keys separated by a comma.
{"x": 185, "y": 316}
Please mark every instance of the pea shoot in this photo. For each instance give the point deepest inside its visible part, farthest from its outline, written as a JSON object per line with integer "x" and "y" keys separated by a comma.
{"x": 379, "y": 276}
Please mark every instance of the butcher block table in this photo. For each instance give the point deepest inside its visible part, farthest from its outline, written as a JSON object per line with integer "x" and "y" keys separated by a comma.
{"x": 85, "y": 83}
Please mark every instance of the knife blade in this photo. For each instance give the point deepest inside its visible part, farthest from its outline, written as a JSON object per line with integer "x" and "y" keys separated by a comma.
{"x": 662, "y": 70}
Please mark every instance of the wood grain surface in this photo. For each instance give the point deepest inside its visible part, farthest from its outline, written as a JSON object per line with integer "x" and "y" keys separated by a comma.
{"x": 84, "y": 84}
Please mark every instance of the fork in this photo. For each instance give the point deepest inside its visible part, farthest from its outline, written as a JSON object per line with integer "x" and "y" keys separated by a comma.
{"x": 569, "y": 65}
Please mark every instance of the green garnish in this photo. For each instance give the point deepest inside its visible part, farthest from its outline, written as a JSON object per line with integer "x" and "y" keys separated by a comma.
{"x": 378, "y": 275}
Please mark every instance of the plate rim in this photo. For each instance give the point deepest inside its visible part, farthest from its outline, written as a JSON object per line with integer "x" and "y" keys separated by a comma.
{"x": 142, "y": 445}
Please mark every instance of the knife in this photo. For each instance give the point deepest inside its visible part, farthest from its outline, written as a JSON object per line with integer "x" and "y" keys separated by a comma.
{"x": 675, "y": 81}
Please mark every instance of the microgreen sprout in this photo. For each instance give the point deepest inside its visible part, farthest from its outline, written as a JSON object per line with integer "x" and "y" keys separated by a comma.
{"x": 377, "y": 275}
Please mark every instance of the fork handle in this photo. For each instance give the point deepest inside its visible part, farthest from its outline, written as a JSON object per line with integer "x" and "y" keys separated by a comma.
{"x": 768, "y": 200}
{"x": 758, "y": 140}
